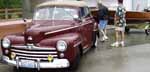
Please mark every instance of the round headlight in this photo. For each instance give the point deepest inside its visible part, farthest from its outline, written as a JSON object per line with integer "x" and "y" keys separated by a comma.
{"x": 6, "y": 43}
{"x": 61, "y": 45}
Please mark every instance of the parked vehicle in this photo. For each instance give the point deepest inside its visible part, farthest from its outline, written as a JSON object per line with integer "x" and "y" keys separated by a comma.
{"x": 57, "y": 37}
{"x": 147, "y": 29}
{"x": 147, "y": 9}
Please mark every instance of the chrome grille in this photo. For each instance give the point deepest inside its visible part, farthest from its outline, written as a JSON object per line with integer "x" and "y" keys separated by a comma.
{"x": 34, "y": 52}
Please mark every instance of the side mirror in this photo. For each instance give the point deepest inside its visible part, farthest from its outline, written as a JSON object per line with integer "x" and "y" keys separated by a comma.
{"x": 78, "y": 19}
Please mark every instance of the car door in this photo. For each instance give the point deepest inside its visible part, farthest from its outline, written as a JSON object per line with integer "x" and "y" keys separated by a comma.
{"x": 86, "y": 27}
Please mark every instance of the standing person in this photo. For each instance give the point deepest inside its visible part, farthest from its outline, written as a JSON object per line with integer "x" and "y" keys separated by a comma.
{"x": 103, "y": 19}
{"x": 120, "y": 24}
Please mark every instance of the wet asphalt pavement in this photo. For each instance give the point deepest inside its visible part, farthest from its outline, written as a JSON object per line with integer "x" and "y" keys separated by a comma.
{"x": 135, "y": 57}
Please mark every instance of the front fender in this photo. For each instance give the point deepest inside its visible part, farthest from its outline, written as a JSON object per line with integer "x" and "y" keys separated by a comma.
{"x": 16, "y": 39}
{"x": 72, "y": 39}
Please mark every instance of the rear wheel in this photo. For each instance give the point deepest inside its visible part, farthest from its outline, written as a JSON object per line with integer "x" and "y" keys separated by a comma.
{"x": 127, "y": 29}
{"x": 147, "y": 31}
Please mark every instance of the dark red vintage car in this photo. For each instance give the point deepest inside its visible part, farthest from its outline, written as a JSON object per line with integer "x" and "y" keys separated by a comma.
{"x": 59, "y": 34}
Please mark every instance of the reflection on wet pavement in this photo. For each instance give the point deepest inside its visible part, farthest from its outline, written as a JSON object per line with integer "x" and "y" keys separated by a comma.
{"x": 128, "y": 59}
{"x": 135, "y": 57}
{"x": 132, "y": 58}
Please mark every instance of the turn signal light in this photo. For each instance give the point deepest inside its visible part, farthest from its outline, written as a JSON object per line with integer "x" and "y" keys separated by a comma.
{"x": 6, "y": 51}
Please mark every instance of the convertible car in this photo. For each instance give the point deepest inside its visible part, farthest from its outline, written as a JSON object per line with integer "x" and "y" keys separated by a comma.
{"x": 58, "y": 36}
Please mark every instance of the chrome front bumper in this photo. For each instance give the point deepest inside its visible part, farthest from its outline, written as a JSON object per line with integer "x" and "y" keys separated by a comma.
{"x": 57, "y": 63}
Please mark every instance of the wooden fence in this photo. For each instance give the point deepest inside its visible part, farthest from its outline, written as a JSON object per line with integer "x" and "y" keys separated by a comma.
{"x": 14, "y": 13}
{"x": 11, "y": 27}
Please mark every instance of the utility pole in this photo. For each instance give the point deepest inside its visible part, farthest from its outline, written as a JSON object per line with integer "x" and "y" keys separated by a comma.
{"x": 26, "y": 9}
{"x": 6, "y": 2}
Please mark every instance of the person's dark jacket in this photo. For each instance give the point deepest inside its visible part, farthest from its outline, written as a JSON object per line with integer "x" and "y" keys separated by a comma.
{"x": 103, "y": 12}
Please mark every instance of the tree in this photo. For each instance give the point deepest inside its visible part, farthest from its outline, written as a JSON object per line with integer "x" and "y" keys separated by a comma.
{"x": 2, "y": 5}
{"x": 10, "y": 3}
{"x": 15, "y": 3}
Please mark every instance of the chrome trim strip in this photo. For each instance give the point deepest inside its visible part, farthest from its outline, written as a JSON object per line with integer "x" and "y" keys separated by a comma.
{"x": 85, "y": 47}
{"x": 34, "y": 58}
{"x": 33, "y": 48}
{"x": 35, "y": 55}
{"x": 75, "y": 45}
{"x": 85, "y": 50}
{"x": 61, "y": 30}
{"x": 33, "y": 52}
{"x": 20, "y": 47}
{"x": 65, "y": 29}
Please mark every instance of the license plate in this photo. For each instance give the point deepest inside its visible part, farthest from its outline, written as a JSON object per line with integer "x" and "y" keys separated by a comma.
{"x": 28, "y": 63}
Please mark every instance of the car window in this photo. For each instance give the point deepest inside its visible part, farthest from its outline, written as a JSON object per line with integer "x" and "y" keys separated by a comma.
{"x": 64, "y": 14}
{"x": 84, "y": 11}
{"x": 43, "y": 14}
{"x": 55, "y": 13}
{"x": 87, "y": 11}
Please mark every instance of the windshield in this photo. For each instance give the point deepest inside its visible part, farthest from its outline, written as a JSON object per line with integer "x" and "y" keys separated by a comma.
{"x": 55, "y": 13}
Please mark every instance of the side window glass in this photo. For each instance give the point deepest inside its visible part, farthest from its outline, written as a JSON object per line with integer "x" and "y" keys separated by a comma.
{"x": 89, "y": 12}
{"x": 82, "y": 13}
{"x": 86, "y": 11}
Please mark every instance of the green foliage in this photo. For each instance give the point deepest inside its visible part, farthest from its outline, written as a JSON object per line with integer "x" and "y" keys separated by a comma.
{"x": 10, "y": 3}
{"x": 2, "y": 5}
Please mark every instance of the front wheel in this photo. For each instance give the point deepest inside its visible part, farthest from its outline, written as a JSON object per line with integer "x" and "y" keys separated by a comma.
{"x": 75, "y": 63}
{"x": 95, "y": 39}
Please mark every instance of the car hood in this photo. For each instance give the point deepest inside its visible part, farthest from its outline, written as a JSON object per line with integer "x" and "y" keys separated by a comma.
{"x": 48, "y": 26}
{"x": 39, "y": 28}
